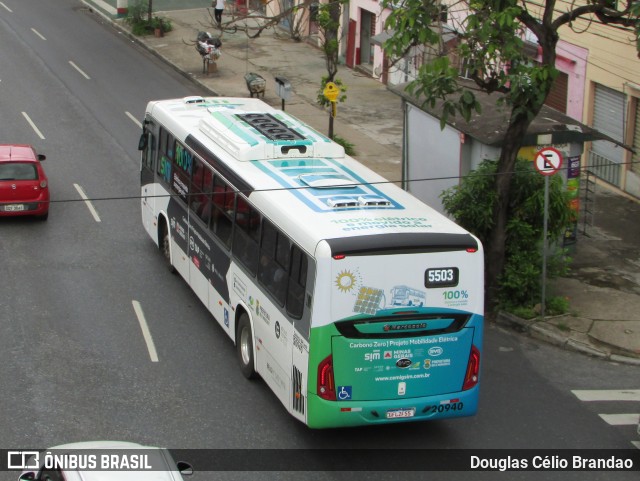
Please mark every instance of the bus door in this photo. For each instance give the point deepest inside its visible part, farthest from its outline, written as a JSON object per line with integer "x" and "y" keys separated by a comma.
{"x": 273, "y": 328}
{"x": 300, "y": 339}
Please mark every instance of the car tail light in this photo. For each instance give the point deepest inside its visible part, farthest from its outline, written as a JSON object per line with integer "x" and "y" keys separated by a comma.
{"x": 326, "y": 386}
{"x": 471, "y": 377}
{"x": 43, "y": 184}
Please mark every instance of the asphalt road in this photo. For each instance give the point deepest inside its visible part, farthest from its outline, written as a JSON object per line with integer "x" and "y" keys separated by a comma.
{"x": 74, "y": 362}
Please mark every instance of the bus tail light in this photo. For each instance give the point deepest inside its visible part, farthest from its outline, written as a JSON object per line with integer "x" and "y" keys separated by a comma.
{"x": 471, "y": 377}
{"x": 326, "y": 386}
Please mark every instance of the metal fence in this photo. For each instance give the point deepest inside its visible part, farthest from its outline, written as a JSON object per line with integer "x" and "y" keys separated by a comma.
{"x": 605, "y": 169}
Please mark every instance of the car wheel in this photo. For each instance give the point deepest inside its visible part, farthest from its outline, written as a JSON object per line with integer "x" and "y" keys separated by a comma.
{"x": 43, "y": 217}
{"x": 244, "y": 346}
{"x": 165, "y": 246}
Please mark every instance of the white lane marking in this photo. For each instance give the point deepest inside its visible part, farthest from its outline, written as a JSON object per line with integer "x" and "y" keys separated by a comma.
{"x": 6, "y": 8}
{"x": 38, "y": 33}
{"x": 135, "y": 121}
{"x": 608, "y": 395}
{"x": 145, "y": 331}
{"x": 627, "y": 419}
{"x": 636, "y": 444}
{"x": 87, "y": 202}
{"x": 33, "y": 126}
{"x": 79, "y": 70}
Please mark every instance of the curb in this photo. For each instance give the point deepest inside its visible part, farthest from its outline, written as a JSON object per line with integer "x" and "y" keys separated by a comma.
{"x": 542, "y": 331}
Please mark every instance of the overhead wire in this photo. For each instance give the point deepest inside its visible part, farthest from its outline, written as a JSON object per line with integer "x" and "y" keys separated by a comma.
{"x": 277, "y": 189}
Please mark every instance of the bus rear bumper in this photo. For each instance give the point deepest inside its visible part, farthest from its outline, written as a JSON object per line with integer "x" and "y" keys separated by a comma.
{"x": 329, "y": 414}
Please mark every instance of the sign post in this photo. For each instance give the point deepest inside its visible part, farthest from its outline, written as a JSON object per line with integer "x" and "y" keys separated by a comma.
{"x": 331, "y": 92}
{"x": 548, "y": 161}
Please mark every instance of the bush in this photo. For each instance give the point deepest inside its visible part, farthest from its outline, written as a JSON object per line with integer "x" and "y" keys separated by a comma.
{"x": 523, "y": 312}
{"x": 163, "y": 23}
{"x": 471, "y": 204}
{"x": 348, "y": 146}
{"x": 556, "y": 306}
{"x": 137, "y": 18}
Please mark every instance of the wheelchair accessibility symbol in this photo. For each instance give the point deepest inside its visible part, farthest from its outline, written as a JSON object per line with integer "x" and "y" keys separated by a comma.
{"x": 344, "y": 393}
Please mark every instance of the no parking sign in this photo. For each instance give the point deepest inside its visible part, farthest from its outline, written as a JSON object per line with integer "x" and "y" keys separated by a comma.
{"x": 548, "y": 161}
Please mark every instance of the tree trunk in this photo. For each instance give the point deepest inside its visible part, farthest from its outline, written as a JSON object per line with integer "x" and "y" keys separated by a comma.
{"x": 518, "y": 125}
{"x": 495, "y": 254}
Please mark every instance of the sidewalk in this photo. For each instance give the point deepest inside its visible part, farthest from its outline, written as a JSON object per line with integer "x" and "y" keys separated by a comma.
{"x": 604, "y": 285}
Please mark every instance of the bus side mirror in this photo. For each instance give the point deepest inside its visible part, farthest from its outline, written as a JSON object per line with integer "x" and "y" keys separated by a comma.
{"x": 28, "y": 476}
{"x": 142, "y": 143}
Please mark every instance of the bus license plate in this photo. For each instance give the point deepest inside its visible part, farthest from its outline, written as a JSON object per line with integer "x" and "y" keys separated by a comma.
{"x": 401, "y": 413}
{"x": 13, "y": 207}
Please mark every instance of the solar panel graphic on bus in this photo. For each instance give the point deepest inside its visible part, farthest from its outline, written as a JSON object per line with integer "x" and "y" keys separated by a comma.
{"x": 368, "y": 301}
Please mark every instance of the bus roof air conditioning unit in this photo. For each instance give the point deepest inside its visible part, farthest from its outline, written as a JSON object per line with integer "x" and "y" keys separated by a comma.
{"x": 265, "y": 136}
{"x": 342, "y": 203}
{"x": 372, "y": 201}
{"x": 195, "y": 99}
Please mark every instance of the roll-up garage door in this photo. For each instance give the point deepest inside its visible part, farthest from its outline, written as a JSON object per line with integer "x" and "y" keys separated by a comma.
{"x": 557, "y": 97}
{"x": 608, "y": 118}
{"x": 635, "y": 167}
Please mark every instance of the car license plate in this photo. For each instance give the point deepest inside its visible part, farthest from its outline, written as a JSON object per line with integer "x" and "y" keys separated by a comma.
{"x": 401, "y": 413}
{"x": 13, "y": 207}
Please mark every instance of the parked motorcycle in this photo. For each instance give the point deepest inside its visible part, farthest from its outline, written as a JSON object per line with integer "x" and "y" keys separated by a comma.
{"x": 208, "y": 46}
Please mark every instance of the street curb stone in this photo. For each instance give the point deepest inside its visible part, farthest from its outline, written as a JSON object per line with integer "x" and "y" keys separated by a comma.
{"x": 543, "y": 331}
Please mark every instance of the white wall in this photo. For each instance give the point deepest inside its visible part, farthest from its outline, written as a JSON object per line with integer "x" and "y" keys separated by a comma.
{"x": 431, "y": 153}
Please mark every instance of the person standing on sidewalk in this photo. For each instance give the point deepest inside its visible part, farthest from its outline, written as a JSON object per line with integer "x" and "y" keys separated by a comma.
{"x": 218, "y": 7}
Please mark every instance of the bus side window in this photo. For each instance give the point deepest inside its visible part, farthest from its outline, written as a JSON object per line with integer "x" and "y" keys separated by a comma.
{"x": 148, "y": 152}
{"x": 272, "y": 274}
{"x": 199, "y": 197}
{"x": 297, "y": 283}
{"x": 222, "y": 210}
{"x": 162, "y": 144}
{"x": 167, "y": 144}
{"x": 246, "y": 234}
{"x": 164, "y": 168}
{"x": 171, "y": 146}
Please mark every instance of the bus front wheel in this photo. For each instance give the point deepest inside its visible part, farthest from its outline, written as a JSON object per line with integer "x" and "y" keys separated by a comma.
{"x": 165, "y": 246}
{"x": 244, "y": 346}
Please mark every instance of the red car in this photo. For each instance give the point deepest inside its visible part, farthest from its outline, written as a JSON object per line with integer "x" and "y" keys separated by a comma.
{"x": 24, "y": 188}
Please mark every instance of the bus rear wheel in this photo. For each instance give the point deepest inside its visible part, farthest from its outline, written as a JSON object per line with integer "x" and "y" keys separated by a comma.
{"x": 244, "y": 347}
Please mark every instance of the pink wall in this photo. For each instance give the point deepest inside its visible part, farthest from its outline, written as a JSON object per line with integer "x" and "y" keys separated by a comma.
{"x": 572, "y": 60}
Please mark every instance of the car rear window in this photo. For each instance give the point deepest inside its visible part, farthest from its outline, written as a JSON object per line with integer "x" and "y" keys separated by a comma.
{"x": 18, "y": 171}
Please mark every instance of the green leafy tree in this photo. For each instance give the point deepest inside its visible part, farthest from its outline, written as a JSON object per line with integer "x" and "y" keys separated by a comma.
{"x": 472, "y": 204}
{"x": 329, "y": 25}
{"x": 492, "y": 48}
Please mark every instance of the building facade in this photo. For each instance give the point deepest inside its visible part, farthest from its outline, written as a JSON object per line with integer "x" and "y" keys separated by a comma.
{"x": 598, "y": 83}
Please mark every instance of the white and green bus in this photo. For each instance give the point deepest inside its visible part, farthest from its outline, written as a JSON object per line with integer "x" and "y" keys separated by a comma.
{"x": 354, "y": 301}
